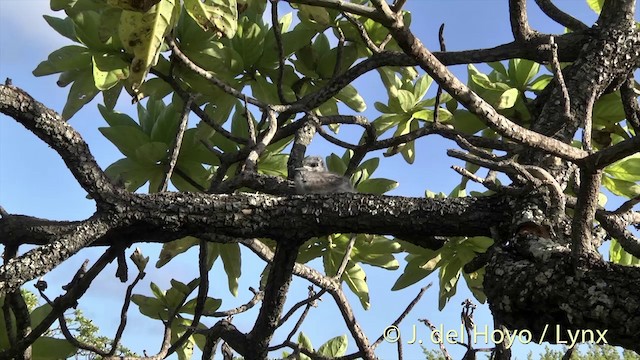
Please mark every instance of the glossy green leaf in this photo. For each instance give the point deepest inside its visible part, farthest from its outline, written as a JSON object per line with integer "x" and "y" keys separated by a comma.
{"x": 467, "y": 122}
{"x": 64, "y": 27}
{"x": 173, "y": 248}
{"x": 82, "y": 92}
{"x": 305, "y": 343}
{"x": 142, "y": 35}
{"x": 230, "y": 255}
{"x": 126, "y": 138}
{"x": 150, "y": 307}
{"x": 596, "y": 5}
{"x": 108, "y": 70}
{"x": 350, "y": 97}
{"x": 621, "y": 187}
{"x": 335, "y": 347}
{"x": 627, "y": 169}
{"x": 508, "y": 99}
{"x": 48, "y": 348}
{"x": 618, "y": 255}
{"x": 521, "y": 71}
{"x": 377, "y": 186}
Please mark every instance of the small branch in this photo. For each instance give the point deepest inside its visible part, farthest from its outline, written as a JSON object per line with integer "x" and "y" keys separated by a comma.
{"x": 363, "y": 33}
{"x": 588, "y": 123}
{"x": 520, "y": 28}
{"x": 214, "y": 80}
{"x": 277, "y": 33}
{"x": 257, "y": 297}
{"x": 404, "y": 314}
{"x": 630, "y": 104}
{"x": 309, "y": 300}
{"x": 201, "y": 298}
{"x": 344, "y": 6}
{"x": 275, "y": 292}
{"x": 366, "y": 351}
{"x": 560, "y": 16}
{"x": 557, "y": 71}
{"x": 582, "y": 224}
{"x": 437, "y": 337}
{"x": 174, "y": 152}
{"x": 345, "y": 259}
{"x": 443, "y": 48}
{"x": 264, "y": 141}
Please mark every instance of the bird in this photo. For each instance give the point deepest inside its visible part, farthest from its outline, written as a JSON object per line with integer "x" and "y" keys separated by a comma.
{"x": 314, "y": 178}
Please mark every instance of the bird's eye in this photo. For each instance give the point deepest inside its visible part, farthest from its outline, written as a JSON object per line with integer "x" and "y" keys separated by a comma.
{"x": 314, "y": 164}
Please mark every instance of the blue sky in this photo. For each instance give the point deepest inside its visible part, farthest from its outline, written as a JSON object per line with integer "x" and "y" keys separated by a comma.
{"x": 35, "y": 181}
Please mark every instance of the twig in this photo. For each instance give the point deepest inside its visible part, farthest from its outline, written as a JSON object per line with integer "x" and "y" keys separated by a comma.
{"x": 585, "y": 209}
{"x": 520, "y": 28}
{"x": 560, "y": 16}
{"x": 557, "y": 70}
{"x": 201, "y": 298}
{"x": 214, "y": 80}
{"x": 630, "y": 104}
{"x": 257, "y": 297}
{"x": 277, "y": 33}
{"x": 345, "y": 259}
{"x": 443, "y": 48}
{"x": 437, "y": 338}
{"x": 309, "y": 300}
{"x": 404, "y": 314}
{"x": 339, "y": 52}
{"x": 363, "y": 33}
{"x": 174, "y": 152}
{"x": 265, "y": 139}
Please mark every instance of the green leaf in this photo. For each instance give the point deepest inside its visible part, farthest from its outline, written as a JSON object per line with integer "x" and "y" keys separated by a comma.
{"x": 618, "y": 255}
{"x": 407, "y": 100}
{"x": 218, "y": 16}
{"x": 356, "y": 279}
{"x": 627, "y": 169}
{"x": 415, "y": 270}
{"x": 350, "y": 97}
{"x": 335, "y": 347}
{"x": 449, "y": 275}
{"x": 211, "y": 305}
{"x": 70, "y": 57}
{"x": 230, "y": 254}
{"x": 48, "y": 348}
{"x": 142, "y": 35}
{"x": 150, "y": 307}
{"x": 621, "y": 187}
{"x": 521, "y": 71}
{"x": 82, "y": 92}
{"x": 336, "y": 164}
{"x": 108, "y": 70}
{"x": 126, "y": 138}
{"x": 508, "y": 99}
{"x": 596, "y": 5}
{"x": 305, "y": 343}
{"x": 422, "y": 86}
{"x": 249, "y": 42}
{"x": 467, "y": 122}
{"x": 540, "y": 82}
{"x": 377, "y": 186}
{"x": 64, "y": 27}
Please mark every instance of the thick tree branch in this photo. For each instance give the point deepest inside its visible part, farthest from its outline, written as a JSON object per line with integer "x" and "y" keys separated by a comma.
{"x": 58, "y": 134}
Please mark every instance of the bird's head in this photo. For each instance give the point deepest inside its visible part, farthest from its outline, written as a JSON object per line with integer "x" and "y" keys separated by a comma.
{"x": 312, "y": 163}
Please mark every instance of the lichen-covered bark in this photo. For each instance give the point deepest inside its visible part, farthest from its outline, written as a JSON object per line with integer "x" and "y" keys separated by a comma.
{"x": 542, "y": 295}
